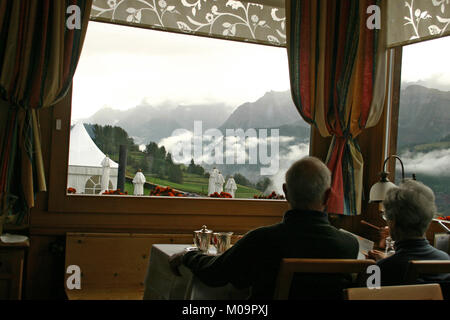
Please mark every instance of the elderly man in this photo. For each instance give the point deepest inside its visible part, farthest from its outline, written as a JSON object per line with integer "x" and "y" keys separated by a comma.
{"x": 304, "y": 232}
{"x": 409, "y": 210}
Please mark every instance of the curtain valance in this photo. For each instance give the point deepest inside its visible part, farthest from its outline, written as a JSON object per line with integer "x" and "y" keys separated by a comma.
{"x": 411, "y": 21}
{"x": 257, "y": 21}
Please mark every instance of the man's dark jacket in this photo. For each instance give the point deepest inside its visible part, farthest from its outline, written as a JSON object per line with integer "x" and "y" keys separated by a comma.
{"x": 254, "y": 260}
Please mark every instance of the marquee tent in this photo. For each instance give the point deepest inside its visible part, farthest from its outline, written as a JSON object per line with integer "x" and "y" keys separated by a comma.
{"x": 85, "y": 163}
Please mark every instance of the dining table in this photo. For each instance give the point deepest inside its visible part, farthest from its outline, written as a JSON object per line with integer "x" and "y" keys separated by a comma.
{"x": 162, "y": 284}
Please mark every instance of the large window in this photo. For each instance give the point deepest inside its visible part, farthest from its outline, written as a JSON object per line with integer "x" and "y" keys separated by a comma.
{"x": 197, "y": 116}
{"x": 424, "y": 117}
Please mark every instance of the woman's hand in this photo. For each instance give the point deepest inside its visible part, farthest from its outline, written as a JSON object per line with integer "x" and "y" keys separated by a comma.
{"x": 384, "y": 233}
{"x": 376, "y": 255}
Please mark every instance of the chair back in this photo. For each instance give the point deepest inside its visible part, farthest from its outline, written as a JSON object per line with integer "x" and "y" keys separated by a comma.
{"x": 290, "y": 266}
{"x": 409, "y": 292}
{"x": 418, "y": 267}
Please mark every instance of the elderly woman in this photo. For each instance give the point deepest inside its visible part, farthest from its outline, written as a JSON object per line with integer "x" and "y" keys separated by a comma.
{"x": 409, "y": 210}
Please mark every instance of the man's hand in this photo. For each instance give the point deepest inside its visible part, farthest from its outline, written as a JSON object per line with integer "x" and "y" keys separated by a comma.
{"x": 376, "y": 255}
{"x": 175, "y": 261}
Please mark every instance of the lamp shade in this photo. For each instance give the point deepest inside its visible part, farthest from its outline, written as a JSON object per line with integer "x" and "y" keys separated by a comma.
{"x": 379, "y": 190}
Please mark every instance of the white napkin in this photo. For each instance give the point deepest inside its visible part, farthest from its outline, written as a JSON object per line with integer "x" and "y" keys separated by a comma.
{"x": 12, "y": 238}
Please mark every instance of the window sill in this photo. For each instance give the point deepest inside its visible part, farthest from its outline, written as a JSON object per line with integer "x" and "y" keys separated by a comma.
{"x": 166, "y": 205}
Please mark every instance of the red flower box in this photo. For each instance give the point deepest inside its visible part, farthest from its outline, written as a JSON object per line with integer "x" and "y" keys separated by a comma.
{"x": 115, "y": 192}
{"x": 273, "y": 196}
{"x": 165, "y": 192}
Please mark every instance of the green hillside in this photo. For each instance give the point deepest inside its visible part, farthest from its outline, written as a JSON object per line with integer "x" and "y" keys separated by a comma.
{"x": 193, "y": 184}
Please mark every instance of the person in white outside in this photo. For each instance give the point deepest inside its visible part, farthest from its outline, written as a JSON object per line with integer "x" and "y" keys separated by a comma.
{"x": 139, "y": 181}
{"x": 231, "y": 187}
{"x": 106, "y": 164}
{"x": 220, "y": 180}
{"x": 212, "y": 181}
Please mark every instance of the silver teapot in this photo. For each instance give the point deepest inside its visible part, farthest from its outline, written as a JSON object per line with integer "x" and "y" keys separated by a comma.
{"x": 222, "y": 241}
{"x": 202, "y": 239}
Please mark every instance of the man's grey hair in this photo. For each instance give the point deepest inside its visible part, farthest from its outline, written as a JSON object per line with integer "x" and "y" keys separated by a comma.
{"x": 307, "y": 180}
{"x": 412, "y": 207}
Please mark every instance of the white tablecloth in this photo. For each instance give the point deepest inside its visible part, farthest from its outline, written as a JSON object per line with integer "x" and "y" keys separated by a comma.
{"x": 162, "y": 284}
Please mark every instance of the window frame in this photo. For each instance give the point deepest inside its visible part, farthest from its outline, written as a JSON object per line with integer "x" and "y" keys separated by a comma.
{"x": 392, "y": 125}
{"x": 60, "y": 201}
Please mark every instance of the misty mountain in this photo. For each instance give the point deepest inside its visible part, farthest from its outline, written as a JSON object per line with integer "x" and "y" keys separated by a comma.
{"x": 434, "y": 82}
{"x": 147, "y": 123}
{"x": 212, "y": 116}
{"x": 424, "y": 115}
{"x": 272, "y": 110}
{"x": 105, "y": 116}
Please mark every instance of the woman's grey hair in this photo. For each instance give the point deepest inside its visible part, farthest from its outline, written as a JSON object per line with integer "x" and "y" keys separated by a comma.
{"x": 412, "y": 207}
{"x": 307, "y": 180}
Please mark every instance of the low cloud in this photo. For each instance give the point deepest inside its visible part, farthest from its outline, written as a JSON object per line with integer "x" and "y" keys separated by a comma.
{"x": 274, "y": 165}
{"x": 435, "y": 163}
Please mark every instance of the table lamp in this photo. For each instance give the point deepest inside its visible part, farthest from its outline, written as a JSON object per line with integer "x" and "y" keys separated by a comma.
{"x": 379, "y": 189}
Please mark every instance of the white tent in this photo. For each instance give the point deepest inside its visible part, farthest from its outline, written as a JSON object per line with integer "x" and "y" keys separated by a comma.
{"x": 85, "y": 163}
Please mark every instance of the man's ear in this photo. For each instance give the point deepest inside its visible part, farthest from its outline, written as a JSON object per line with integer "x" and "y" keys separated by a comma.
{"x": 326, "y": 196}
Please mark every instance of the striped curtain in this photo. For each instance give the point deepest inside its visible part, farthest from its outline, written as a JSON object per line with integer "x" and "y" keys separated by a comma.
{"x": 338, "y": 81}
{"x": 40, "y": 43}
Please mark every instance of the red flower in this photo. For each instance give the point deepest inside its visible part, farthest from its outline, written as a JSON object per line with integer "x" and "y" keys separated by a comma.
{"x": 273, "y": 195}
{"x": 165, "y": 192}
{"x": 114, "y": 192}
{"x": 71, "y": 190}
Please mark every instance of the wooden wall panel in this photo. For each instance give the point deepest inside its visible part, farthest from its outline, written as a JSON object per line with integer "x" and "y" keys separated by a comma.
{"x": 45, "y": 268}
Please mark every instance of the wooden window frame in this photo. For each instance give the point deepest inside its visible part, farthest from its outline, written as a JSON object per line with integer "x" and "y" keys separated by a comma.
{"x": 394, "y": 113}
{"x": 60, "y": 201}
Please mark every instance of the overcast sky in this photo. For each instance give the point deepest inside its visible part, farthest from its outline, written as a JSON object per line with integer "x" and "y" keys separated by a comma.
{"x": 428, "y": 61}
{"x": 120, "y": 67}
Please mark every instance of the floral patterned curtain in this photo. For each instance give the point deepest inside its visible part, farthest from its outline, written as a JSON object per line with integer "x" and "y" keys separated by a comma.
{"x": 256, "y": 21}
{"x": 411, "y": 21}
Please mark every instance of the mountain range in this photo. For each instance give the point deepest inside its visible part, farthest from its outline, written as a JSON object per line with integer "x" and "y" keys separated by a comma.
{"x": 272, "y": 110}
{"x": 147, "y": 123}
{"x": 424, "y": 117}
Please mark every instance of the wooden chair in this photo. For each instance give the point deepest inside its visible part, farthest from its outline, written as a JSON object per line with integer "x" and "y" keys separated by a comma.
{"x": 288, "y": 267}
{"x": 418, "y": 267}
{"x": 409, "y": 292}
